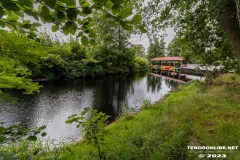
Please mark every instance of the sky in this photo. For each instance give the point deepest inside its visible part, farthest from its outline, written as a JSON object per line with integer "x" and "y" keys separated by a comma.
{"x": 135, "y": 39}
{"x": 143, "y": 39}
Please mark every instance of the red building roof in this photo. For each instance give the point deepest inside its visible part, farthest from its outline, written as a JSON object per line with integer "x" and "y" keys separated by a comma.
{"x": 167, "y": 59}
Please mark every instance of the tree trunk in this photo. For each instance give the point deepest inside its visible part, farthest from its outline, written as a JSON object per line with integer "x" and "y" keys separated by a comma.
{"x": 238, "y": 11}
{"x": 230, "y": 24}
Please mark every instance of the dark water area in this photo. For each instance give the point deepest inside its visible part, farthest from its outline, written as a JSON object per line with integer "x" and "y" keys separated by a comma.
{"x": 60, "y": 99}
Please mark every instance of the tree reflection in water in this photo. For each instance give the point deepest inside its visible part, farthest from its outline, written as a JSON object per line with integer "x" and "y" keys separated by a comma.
{"x": 154, "y": 84}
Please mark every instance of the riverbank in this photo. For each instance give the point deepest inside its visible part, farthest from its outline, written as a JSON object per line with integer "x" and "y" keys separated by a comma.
{"x": 193, "y": 115}
{"x": 196, "y": 115}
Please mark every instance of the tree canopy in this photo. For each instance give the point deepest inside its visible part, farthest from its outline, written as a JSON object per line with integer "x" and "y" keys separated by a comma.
{"x": 156, "y": 49}
{"x": 208, "y": 28}
{"x": 69, "y": 16}
{"x": 23, "y": 58}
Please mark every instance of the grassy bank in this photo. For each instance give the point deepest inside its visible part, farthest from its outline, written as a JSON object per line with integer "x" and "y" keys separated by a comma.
{"x": 194, "y": 115}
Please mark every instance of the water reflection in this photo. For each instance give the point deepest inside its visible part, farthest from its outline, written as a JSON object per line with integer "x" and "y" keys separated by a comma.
{"x": 154, "y": 83}
{"x": 59, "y": 99}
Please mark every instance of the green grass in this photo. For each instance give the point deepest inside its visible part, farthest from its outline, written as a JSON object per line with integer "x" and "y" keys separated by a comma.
{"x": 194, "y": 115}
{"x": 230, "y": 77}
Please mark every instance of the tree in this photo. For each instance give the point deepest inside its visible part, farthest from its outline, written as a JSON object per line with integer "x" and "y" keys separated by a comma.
{"x": 113, "y": 47}
{"x": 16, "y": 51}
{"x": 156, "y": 49}
{"x": 69, "y": 16}
{"x": 207, "y": 27}
{"x": 138, "y": 49}
{"x": 174, "y": 48}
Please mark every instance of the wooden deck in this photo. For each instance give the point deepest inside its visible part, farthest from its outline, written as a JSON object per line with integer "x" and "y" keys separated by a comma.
{"x": 173, "y": 79}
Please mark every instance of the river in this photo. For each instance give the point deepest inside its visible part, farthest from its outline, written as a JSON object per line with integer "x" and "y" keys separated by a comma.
{"x": 59, "y": 99}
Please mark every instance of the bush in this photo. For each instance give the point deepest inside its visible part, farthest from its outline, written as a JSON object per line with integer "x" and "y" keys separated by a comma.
{"x": 140, "y": 64}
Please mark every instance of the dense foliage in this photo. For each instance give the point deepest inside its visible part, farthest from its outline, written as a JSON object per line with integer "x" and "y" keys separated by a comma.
{"x": 16, "y": 51}
{"x": 69, "y": 16}
{"x": 156, "y": 49}
{"x": 46, "y": 59}
{"x": 207, "y": 30}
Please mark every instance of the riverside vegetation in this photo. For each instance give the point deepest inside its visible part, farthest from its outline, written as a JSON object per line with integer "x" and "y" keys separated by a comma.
{"x": 42, "y": 58}
{"x": 207, "y": 32}
{"x": 196, "y": 114}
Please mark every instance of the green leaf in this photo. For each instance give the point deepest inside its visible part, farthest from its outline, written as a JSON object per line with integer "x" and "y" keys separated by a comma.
{"x": 25, "y": 3}
{"x": 59, "y": 8}
{"x": 60, "y": 15}
{"x": 2, "y": 129}
{"x": 87, "y": 10}
{"x": 43, "y": 134}
{"x": 127, "y": 26}
{"x": 80, "y": 34}
{"x": 136, "y": 19}
{"x": 50, "y": 3}
{"x": 1, "y": 12}
{"x": 142, "y": 29}
{"x": 48, "y": 19}
{"x": 34, "y": 15}
{"x": 9, "y": 5}
{"x": 33, "y": 29}
{"x": 2, "y": 139}
{"x": 36, "y": 24}
{"x": 45, "y": 10}
{"x": 70, "y": 3}
{"x": 125, "y": 13}
{"x": 109, "y": 5}
{"x": 32, "y": 138}
{"x": 20, "y": 14}
{"x": 42, "y": 127}
{"x": 73, "y": 28}
{"x": 26, "y": 24}
{"x": 60, "y": 4}
{"x": 40, "y": 8}
{"x": 93, "y": 42}
{"x": 71, "y": 14}
{"x": 85, "y": 4}
{"x": 12, "y": 17}
{"x": 82, "y": 1}
{"x": 116, "y": 9}
{"x": 65, "y": 31}
{"x": 89, "y": 18}
{"x": 79, "y": 21}
{"x": 84, "y": 40}
{"x": 92, "y": 34}
{"x": 54, "y": 28}
{"x": 2, "y": 24}
{"x": 117, "y": 2}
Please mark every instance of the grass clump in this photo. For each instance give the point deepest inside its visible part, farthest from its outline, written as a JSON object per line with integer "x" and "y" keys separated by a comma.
{"x": 126, "y": 114}
{"x": 146, "y": 104}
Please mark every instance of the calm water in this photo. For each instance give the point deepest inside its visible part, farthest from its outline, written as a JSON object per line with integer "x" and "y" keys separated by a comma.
{"x": 59, "y": 99}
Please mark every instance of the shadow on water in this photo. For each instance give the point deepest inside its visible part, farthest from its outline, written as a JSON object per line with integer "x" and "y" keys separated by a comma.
{"x": 59, "y": 99}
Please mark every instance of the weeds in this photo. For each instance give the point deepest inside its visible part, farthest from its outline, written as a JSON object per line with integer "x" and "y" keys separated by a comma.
{"x": 146, "y": 104}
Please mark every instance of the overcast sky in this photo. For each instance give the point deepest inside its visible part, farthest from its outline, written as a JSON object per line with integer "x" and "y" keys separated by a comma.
{"x": 135, "y": 39}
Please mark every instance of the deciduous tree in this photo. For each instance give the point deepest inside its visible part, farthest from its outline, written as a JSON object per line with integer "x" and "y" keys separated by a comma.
{"x": 206, "y": 26}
